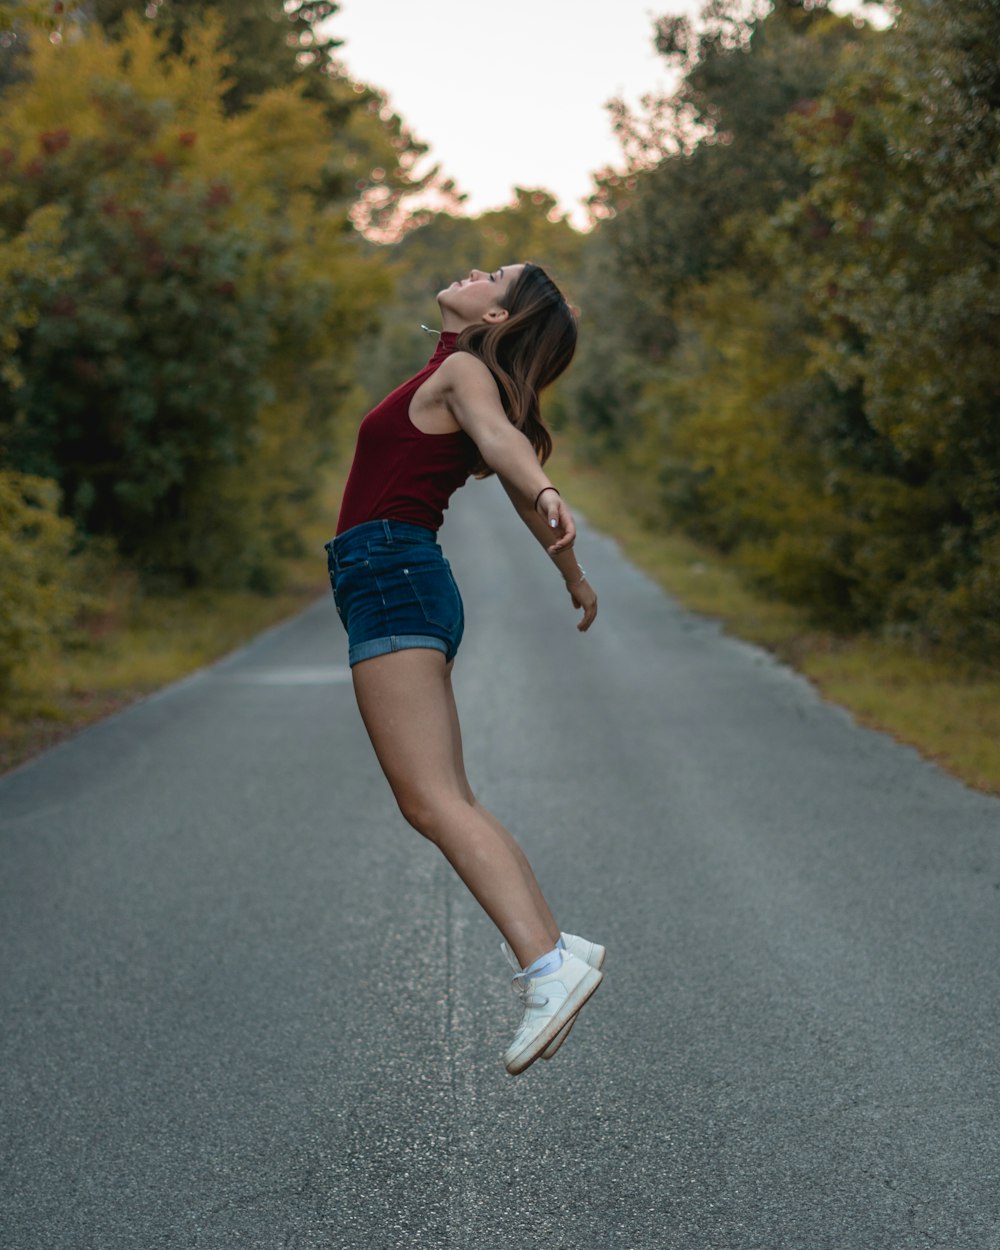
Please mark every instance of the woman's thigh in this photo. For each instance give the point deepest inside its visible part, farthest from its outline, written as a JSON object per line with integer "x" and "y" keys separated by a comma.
{"x": 408, "y": 709}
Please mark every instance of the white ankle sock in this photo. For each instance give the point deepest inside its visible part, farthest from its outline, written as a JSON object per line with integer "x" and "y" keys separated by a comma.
{"x": 551, "y": 961}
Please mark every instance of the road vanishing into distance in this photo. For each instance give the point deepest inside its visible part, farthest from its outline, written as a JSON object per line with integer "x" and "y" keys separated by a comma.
{"x": 245, "y": 1006}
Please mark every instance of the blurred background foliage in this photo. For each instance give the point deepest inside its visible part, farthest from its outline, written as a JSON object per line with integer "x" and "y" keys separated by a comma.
{"x": 215, "y": 252}
{"x": 793, "y": 302}
{"x": 183, "y": 286}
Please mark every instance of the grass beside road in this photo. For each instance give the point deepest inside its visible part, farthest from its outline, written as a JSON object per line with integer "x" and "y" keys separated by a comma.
{"x": 944, "y": 706}
{"x": 154, "y": 641}
{"x": 142, "y": 642}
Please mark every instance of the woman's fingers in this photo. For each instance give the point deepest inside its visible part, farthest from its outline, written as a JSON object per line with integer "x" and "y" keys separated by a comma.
{"x": 560, "y": 522}
{"x": 584, "y": 598}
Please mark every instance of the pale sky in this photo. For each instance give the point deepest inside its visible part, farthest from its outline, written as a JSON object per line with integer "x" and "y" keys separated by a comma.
{"x": 509, "y": 92}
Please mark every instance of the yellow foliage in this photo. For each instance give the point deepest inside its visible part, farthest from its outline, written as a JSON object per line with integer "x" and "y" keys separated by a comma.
{"x": 273, "y": 150}
{"x": 28, "y": 262}
{"x": 739, "y": 466}
{"x": 212, "y": 297}
{"x": 36, "y": 603}
{"x": 32, "y": 13}
{"x": 76, "y": 71}
{"x": 278, "y": 147}
{"x": 726, "y": 382}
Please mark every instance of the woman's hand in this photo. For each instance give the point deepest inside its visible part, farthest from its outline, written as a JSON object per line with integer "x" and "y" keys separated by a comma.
{"x": 585, "y": 598}
{"x": 558, "y": 519}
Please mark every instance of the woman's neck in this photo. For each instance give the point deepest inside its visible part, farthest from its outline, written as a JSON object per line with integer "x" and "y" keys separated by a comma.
{"x": 450, "y": 324}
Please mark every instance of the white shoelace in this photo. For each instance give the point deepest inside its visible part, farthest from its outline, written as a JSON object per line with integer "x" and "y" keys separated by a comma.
{"x": 520, "y": 983}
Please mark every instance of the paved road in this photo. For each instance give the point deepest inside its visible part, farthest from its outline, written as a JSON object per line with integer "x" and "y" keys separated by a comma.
{"x": 244, "y": 1006}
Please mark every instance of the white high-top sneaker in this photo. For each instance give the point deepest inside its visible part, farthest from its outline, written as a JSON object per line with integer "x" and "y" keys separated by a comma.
{"x": 550, "y": 1003}
{"x": 590, "y": 952}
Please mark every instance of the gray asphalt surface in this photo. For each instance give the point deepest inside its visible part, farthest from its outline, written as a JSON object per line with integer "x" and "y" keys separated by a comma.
{"x": 245, "y": 1006}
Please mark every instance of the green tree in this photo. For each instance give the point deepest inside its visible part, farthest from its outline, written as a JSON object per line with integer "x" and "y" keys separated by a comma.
{"x": 38, "y": 601}
{"x": 181, "y": 381}
{"x": 36, "y": 597}
{"x": 271, "y": 43}
{"x": 17, "y": 19}
{"x": 30, "y": 263}
{"x": 276, "y": 43}
{"x": 808, "y": 364}
{"x": 705, "y": 165}
{"x": 898, "y": 244}
{"x": 30, "y": 14}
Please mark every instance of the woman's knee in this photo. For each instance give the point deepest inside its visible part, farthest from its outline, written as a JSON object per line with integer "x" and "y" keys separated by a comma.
{"x": 429, "y": 813}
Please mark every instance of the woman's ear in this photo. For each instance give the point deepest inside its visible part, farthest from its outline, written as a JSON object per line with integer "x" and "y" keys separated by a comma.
{"x": 496, "y": 315}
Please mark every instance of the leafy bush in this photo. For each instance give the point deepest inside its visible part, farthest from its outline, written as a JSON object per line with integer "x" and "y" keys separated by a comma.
{"x": 183, "y": 375}
{"x": 805, "y": 318}
{"x": 38, "y": 600}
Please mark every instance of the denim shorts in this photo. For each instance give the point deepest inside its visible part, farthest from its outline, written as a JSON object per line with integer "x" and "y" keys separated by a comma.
{"x": 394, "y": 590}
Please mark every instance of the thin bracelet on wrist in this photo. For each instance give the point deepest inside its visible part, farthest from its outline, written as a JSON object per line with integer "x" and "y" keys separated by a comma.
{"x": 541, "y": 493}
{"x": 581, "y": 578}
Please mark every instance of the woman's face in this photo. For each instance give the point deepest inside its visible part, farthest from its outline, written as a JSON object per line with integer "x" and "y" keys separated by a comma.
{"x": 477, "y": 297}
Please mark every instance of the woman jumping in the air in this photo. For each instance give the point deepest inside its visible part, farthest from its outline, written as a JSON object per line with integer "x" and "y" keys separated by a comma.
{"x": 473, "y": 409}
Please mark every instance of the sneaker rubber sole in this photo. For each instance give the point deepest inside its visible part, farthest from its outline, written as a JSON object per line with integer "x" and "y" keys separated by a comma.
{"x": 595, "y": 956}
{"x": 576, "y": 998}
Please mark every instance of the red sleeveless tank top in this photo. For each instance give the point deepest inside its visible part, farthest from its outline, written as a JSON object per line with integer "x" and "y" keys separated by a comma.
{"x": 399, "y": 473}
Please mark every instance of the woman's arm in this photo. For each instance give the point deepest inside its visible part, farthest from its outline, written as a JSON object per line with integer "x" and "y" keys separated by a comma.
{"x": 470, "y": 391}
{"x": 580, "y": 590}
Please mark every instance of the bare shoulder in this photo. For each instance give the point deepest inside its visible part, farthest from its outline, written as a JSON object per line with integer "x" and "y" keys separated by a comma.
{"x": 462, "y": 371}
{"x": 471, "y": 394}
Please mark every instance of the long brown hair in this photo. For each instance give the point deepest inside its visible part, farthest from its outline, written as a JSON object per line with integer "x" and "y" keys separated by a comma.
{"x": 525, "y": 352}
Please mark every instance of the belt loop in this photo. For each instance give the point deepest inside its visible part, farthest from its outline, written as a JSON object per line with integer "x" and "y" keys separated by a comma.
{"x": 388, "y": 531}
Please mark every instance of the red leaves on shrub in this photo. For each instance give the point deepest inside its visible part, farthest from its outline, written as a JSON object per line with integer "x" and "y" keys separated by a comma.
{"x": 86, "y": 370}
{"x": 219, "y": 196}
{"x": 819, "y": 225}
{"x": 842, "y": 119}
{"x": 53, "y": 141}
